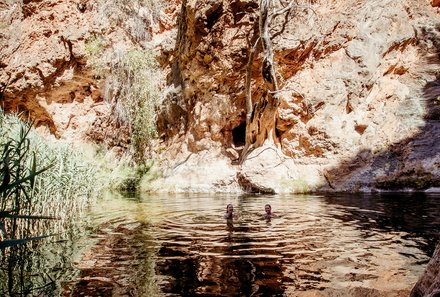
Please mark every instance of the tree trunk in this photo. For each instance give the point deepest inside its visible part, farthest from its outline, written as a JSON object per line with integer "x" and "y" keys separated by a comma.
{"x": 260, "y": 117}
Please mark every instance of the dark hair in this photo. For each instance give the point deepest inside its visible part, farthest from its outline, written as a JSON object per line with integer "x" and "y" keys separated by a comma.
{"x": 268, "y": 205}
{"x": 227, "y": 206}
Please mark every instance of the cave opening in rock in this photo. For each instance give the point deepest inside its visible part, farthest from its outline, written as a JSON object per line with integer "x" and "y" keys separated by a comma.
{"x": 239, "y": 135}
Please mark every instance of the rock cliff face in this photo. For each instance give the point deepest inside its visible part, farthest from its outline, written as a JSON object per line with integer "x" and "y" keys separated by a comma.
{"x": 357, "y": 111}
{"x": 45, "y": 73}
{"x": 42, "y": 54}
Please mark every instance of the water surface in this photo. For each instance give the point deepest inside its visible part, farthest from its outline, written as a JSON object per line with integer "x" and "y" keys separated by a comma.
{"x": 320, "y": 245}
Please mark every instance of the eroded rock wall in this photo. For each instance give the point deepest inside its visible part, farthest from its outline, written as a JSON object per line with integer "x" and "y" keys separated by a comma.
{"x": 358, "y": 108}
{"x": 46, "y": 75}
{"x": 429, "y": 282}
{"x": 208, "y": 68}
{"x": 357, "y": 111}
{"x": 41, "y": 54}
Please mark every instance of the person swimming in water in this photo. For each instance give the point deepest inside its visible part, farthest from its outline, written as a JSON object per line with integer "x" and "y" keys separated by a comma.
{"x": 268, "y": 212}
{"x": 229, "y": 212}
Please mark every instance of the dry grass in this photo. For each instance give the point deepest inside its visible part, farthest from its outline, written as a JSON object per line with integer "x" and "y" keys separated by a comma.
{"x": 136, "y": 17}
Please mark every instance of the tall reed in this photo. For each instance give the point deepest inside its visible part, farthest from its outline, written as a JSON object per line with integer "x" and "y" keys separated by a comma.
{"x": 63, "y": 187}
{"x": 45, "y": 187}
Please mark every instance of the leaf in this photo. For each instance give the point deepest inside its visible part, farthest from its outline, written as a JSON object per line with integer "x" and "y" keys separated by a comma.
{"x": 32, "y": 175}
{"x": 6, "y": 177}
{"x": 33, "y": 170}
{"x": 7, "y": 215}
{"x": 14, "y": 242}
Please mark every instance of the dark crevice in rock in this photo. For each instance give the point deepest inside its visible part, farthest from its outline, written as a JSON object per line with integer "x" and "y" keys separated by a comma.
{"x": 213, "y": 16}
{"x": 239, "y": 135}
{"x": 241, "y": 8}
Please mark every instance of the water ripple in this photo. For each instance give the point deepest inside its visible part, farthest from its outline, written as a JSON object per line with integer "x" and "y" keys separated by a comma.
{"x": 330, "y": 245}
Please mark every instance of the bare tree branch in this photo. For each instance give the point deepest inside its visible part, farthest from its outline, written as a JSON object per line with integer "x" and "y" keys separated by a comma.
{"x": 248, "y": 81}
{"x": 285, "y": 9}
{"x": 268, "y": 70}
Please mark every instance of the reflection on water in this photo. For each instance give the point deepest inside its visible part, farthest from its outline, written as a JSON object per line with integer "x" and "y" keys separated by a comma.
{"x": 36, "y": 268}
{"x": 345, "y": 245}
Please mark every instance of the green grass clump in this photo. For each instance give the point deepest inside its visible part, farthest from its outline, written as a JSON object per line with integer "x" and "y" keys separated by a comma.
{"x": 62, "y": 191}
{"x": 127, "y": 178}
{"x": 117, "y": 173}
{"x": 295, "y": 186}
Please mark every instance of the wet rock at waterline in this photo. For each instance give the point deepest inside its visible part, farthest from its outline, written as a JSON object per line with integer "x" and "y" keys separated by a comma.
{"x": 429, "y": 283}
{"x": 267, "y": 170}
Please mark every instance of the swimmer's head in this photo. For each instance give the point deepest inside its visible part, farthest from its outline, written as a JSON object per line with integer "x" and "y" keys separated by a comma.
{"x": 268, "y": 208}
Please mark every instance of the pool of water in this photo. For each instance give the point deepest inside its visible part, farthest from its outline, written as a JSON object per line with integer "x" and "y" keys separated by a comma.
{"x": 319, "y": 245}
{"x": 181, "y": 245}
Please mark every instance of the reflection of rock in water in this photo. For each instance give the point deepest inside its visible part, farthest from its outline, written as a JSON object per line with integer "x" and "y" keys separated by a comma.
{"x": 120, "y": 264}
{"x": 225, "y": 264}
{"x": 341, "y": 245}
{"x": 187, "y": 274}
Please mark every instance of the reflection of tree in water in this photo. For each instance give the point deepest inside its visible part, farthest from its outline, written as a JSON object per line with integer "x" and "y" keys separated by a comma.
{"x": 34, "y": 269}
{"x": 120, "y": 263}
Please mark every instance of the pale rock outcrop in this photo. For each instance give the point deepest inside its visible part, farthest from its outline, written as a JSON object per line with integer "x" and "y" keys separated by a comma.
{"x": 268, "y": 170}
{"x": 195, "y": 175}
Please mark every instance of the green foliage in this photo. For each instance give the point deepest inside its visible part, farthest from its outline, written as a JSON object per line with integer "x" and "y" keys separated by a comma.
{"x": 149, "y": 177}
{"x": 133, "y": 90}
{"x": 120, "y": 174}
{"x": 94, "y": 46}
{"x": 94, "y": 49}
{"x": 45, "y": 187}
{"x": 67, "y": 189}
{"x": 131, "y": 72}
{"x": 295, "y": 186}
{"x": 18, "y": 172}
